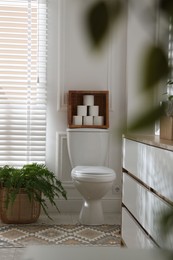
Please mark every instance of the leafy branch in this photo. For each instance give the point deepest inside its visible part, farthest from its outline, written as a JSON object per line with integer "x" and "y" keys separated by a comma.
{"x": 101, "y": 18}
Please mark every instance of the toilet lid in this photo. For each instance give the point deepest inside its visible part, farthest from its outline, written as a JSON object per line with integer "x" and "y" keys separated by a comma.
{"x": 93, "y": 173}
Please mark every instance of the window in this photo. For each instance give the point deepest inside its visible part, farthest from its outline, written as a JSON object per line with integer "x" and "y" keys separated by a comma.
{"x": 23, "y": 46}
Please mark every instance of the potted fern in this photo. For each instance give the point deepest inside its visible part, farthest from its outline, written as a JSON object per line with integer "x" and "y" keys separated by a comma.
{"x": 166, "y": 121}
{"x": 23, "y": 192}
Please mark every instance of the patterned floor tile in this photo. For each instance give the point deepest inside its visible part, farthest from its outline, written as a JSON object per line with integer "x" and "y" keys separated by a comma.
{"x": 90, "y": 234}
{"x": 107, "y": 241}
{"x": 31, "y": 240}
{"x": 13, "y": 234}
{"x": 4, "y": 244}
{"x": 71, "y": 240}
{"x": 51, "y": 234}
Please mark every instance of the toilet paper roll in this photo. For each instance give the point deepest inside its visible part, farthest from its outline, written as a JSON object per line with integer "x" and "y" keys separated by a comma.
{"x": 81, "y": 110}
{"x": 88, "y": 120}
{"x": 88, "y": 100}
{"x": 93, "y": 110}
{"x": 98, "y": 120}
{"x": 77, "y": 120}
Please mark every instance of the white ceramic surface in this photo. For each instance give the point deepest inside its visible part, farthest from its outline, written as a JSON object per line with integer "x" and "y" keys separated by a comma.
{"x": 88, "y": 147}
{"x": 93, "y": 183}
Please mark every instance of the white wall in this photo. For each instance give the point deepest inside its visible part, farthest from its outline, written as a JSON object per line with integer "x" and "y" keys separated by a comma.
{"x": 72, "y": 65}
{"x": 141, "y": 32}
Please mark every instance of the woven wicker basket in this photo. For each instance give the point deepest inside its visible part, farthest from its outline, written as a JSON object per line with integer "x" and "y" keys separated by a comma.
{"x": 23, "y": 211}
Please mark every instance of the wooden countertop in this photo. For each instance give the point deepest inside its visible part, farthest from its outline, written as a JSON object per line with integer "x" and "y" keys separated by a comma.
{"x": 153, "y": 140}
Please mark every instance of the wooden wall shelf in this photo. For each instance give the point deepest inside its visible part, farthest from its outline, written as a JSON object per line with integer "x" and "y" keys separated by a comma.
{"x": 101, "y": 99}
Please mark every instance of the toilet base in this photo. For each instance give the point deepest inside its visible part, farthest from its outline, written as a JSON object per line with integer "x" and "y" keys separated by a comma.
{"x": 91, "y": 213}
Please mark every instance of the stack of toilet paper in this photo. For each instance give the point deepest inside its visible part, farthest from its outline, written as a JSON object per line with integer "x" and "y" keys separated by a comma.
{"x": 88, "y": 113}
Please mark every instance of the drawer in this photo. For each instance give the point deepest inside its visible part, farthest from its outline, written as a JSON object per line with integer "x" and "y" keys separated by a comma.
{"x": 134, "y": 197}
{"x": 152, "y": 165}
{"x": 132, "y": 234}
{"x": 147, "y": 208}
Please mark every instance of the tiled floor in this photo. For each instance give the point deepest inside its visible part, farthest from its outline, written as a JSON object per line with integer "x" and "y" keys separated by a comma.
{"x": 16, "y": 253}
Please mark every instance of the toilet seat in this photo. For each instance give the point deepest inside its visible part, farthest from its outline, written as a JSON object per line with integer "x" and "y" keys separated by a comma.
{"x": 93, "y": 174}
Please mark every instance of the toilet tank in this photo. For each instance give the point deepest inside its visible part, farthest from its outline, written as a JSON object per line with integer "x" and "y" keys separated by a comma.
{"x": 87, "y": 146}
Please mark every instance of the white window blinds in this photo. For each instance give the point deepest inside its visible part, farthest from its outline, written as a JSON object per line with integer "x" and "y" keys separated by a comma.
{"x": 23, "y": 46}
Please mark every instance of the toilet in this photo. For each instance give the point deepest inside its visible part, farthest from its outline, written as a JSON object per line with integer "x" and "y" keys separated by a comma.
{"x": 88, "y": 148}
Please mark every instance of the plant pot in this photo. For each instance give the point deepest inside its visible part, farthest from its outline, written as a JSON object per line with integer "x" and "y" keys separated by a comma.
{"x": 166, "y": 127}
{"x": 23, "y": 211}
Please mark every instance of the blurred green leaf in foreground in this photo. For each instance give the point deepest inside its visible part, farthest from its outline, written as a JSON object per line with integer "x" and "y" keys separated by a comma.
{"x": 155, "y": 66}
{"x": 100, "y": 19}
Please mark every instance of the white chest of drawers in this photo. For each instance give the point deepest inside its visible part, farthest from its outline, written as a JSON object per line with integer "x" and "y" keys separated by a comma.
{"x": 147, "y": 193}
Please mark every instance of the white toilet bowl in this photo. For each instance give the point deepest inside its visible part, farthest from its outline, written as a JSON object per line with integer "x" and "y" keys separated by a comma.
{"x": 93, "y": 182}
{"x": 89, "y": 147}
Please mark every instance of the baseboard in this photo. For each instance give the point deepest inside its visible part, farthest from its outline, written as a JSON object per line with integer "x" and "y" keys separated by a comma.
{"x": 74, "y": 206}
